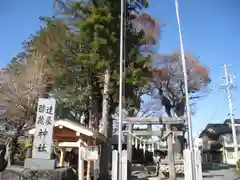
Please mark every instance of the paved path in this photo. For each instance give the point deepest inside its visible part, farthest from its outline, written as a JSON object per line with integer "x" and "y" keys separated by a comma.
{"x": 219, "y": 172}
{"x": 141, "y": 173}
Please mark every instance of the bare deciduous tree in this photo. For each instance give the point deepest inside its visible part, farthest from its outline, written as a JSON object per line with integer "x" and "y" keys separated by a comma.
{"x": 22, "y": 90}
{"x": 168, "y": 87}
{"x": 168, "y": 80}
{"x": 20, "y": 93}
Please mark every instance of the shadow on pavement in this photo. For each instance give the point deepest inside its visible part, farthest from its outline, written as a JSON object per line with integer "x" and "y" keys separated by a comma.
{"x": 220, "y": 171}
{"x": 213, "y": 167}
{"x": 213, "y": 175}
{"x": 136, "y": 178}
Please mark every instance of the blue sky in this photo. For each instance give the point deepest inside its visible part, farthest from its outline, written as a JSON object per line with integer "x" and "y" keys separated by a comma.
{"x": 210, "y": 30}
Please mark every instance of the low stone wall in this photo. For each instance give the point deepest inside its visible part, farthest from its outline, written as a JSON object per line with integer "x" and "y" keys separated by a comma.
{"x": 164, "y": 166}
{"x": 165, "y": 169}
{"x": 19, "y": 173}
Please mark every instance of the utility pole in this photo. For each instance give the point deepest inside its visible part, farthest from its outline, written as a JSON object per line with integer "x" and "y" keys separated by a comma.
{"x": 227, "y": 86}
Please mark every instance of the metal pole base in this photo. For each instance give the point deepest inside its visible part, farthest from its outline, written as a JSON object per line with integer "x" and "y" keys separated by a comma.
{"x": 189, "y": 165}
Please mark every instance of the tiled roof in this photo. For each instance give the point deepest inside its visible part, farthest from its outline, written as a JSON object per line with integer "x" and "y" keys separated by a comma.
{"x": 219, "y": 128}
{"x": 216, "y": 129}
{"x": 228, "y": 121}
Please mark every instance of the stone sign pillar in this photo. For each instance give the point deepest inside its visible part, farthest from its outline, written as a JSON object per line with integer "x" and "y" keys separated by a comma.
{"x": 43, "y": 137}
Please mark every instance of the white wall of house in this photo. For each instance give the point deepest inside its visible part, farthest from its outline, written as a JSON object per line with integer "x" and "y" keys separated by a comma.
{"x": 229, "y": 147}
{"x": 205, "y": 143}
{"x": 229, "y": 155}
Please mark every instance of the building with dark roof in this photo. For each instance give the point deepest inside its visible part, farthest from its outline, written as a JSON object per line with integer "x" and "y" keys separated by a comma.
{"x": 218, "y": 142}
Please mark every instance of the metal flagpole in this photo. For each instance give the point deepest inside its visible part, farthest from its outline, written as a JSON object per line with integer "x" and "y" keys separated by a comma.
{"x": 120, "y": 95}
{"x": 189, "y": 120}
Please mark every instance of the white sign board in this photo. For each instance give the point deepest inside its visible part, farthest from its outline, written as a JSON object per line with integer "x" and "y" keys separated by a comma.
{"x": 42, "y": 144}
{"x": 91, "y": 153}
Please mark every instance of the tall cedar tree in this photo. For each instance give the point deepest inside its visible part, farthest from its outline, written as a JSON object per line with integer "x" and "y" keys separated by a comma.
{"x": 94, "y": 57}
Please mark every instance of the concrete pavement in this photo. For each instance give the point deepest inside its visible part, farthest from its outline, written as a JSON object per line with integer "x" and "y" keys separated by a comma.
{"x": 213, "y": 172}
{"x": 221, "y": 174}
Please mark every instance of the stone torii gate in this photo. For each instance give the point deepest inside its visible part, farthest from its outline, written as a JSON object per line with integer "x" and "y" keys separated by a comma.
{"x": 168, "y": 133}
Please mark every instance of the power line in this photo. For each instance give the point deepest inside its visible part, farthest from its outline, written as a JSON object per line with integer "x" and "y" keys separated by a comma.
{"x": 217, "y": 108}
{"x": 213, "y": 114}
